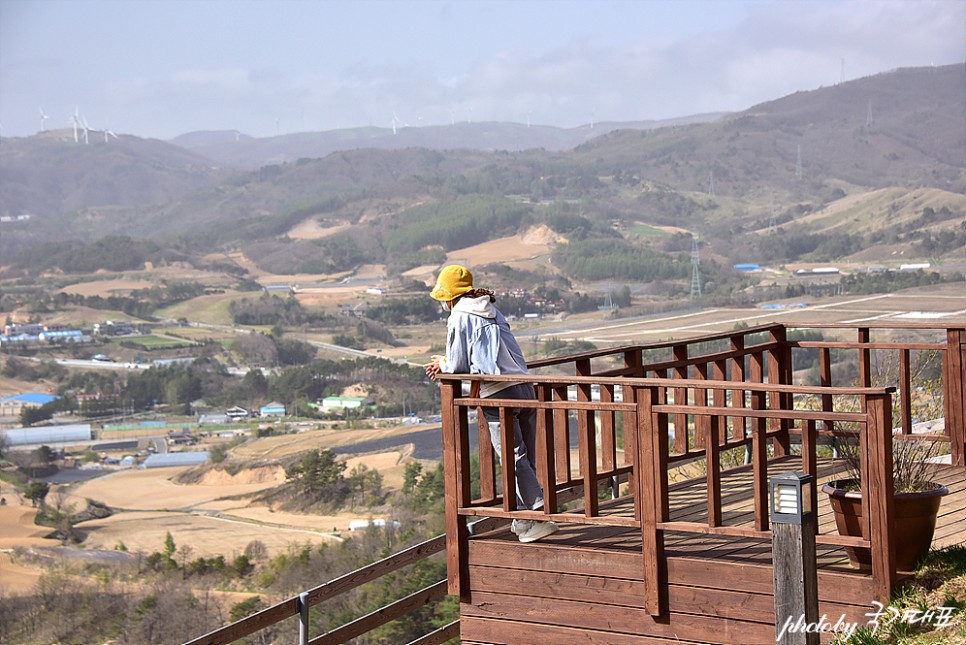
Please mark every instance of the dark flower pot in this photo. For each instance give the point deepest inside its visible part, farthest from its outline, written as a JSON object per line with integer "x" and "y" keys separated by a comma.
{"x": 914, "y": 520}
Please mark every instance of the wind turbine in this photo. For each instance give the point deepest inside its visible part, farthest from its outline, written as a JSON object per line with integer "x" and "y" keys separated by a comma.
{"x": 43, "y": 119}
{"x": 395, "y": 119}
{"x": 108, "y": 133}
{"x": 87, "y": 130}
{"x": 75, "y": 120}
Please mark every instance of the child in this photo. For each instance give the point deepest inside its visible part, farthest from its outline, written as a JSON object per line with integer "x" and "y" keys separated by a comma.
{"x": 479, "y": 341}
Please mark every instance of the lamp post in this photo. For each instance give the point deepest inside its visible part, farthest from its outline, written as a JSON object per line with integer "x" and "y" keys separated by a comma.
{"x": 793, "y": 515}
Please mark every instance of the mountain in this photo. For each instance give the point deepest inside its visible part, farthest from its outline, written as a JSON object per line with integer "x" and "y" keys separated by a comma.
{"x": 242, "y": 151}
{"x": 70, "y": 188}
{"x": 902, "y": 128}
{"x": 833, "y": 150}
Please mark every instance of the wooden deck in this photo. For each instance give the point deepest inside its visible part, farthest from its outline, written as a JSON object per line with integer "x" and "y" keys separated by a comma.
{"x": 585, "y": 584}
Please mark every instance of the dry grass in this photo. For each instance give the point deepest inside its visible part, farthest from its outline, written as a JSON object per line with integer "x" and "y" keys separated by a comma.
{"x": 107, "y": 288}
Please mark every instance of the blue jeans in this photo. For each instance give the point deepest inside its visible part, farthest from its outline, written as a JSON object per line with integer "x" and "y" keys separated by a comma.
{"x": 529, "y": 491}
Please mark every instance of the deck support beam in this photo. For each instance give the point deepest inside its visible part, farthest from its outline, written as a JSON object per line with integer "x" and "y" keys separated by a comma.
{"x": 880, "y": 501}
{"x": 456, "y": 481}
{"x": 954, "y": 394}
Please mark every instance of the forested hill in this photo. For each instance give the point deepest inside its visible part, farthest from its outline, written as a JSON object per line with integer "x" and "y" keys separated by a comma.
{"x": 903, "y": 128}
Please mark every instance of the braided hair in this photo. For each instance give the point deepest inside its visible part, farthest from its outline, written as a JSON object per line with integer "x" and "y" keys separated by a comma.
{"x": 476, "y": 293}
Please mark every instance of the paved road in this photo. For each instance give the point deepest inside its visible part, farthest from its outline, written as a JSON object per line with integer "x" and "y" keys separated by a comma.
{"x": 428, "y": 443}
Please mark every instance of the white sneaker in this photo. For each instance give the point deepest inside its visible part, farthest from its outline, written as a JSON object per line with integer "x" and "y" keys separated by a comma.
{"x": 537, "y": 530}
{"x": 518, "y": 527}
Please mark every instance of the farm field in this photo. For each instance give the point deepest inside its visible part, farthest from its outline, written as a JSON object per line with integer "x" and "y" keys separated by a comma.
{"x": 152, "y": 341}
{"x": 212, "y": 516}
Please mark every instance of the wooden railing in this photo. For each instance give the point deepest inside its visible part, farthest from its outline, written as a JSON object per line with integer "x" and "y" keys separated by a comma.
{"x": 669, "y": 403}
{"x": 710, "y": 395}
{"x": 301, "y": 604}
{"x": 772, "y": 353}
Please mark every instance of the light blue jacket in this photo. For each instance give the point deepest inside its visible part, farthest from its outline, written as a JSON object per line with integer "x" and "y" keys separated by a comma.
{"x": 479, "y": 341}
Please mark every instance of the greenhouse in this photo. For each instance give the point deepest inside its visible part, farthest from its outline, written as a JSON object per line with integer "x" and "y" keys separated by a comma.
{"x": 47, "y": 435}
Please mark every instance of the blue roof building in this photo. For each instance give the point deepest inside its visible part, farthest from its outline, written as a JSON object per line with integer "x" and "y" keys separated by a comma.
{"x": 33, "y": 398}
{"x": 12, "y": 406}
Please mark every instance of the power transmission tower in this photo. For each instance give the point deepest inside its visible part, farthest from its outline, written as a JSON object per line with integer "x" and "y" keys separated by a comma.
{"x": 868, "y": 116}
{"x": 711, "y": 184}
{"x": 608, "y": 303}
{"x": 695, "y": 274}
{"x": 798, "y": 163}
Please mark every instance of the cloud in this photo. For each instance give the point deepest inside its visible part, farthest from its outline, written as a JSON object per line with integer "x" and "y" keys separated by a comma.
{"x": 464, "y": 60}
{"x": 225, "y": 80}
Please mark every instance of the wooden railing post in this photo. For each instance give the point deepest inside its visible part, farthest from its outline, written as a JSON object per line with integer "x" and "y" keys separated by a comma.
{"x": 680, "y": 353}
{"x": 880, "y": 491}
{"x": 633, "y": 361}
{"x": 905, "y": 391}
{"x": 954, "y": 393}
{"x": 825, "y": 368}
{"x": 632, "y": 438}
{"x": 778, "y": 368}
{"x": 865, "y": 361}
{"x": 738, "y": 396}
{"x": 546, "y": 462}
{"x": 487, "y": 462}
{"x": 456, "y": 479}
{"x": 702, "y": 422}
{"x": 587, "y": 442}
{"x": 759, "y": 453}
{"x": 650, "y": 468}
{"x": 508, "y": 460}
{"x": 608, "y": 440}
{"x": 561, "y": 435}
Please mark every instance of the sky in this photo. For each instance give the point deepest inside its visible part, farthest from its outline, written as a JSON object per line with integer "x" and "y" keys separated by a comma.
{"x": 161, "y": 68}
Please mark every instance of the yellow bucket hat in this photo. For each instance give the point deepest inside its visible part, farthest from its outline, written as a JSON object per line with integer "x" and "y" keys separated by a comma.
{"x": 453, "y": 282}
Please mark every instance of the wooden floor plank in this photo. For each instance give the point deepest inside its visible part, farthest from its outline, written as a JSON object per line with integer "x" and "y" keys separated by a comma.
{"x": 611, "y": 618}
{"x": 485, "y": 631}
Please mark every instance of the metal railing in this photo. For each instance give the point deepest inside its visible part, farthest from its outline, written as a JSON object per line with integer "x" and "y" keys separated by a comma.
{"x": 299, "y": 605}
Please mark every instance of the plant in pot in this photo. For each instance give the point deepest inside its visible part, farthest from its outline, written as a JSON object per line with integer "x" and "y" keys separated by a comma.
{"x": 916, "y": 505}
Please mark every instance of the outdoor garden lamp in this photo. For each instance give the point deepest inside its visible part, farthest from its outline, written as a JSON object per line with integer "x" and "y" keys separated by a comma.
{"x": 793, "y": 497}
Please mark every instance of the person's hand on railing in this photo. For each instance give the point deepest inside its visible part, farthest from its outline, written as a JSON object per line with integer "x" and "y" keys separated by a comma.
{"x": 432, "y": 367}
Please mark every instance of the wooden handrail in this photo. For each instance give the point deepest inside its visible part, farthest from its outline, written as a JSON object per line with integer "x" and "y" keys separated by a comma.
{"x": 650, "y": 382}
